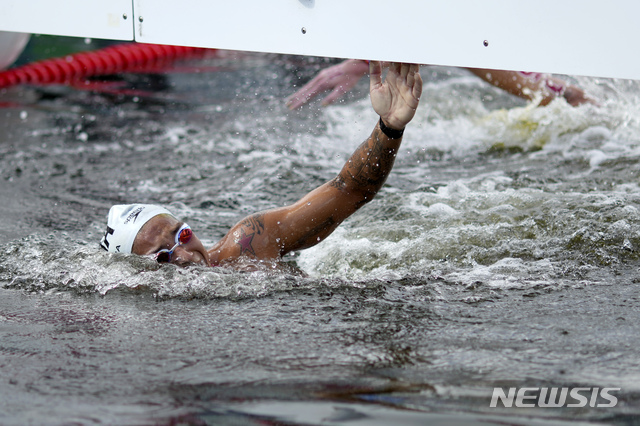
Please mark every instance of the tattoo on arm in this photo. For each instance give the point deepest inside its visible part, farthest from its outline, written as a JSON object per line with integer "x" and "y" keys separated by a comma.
{"x": 338, "y": 183}
{"x": 244, "y": 241}
{"x": 250, "y": 227}
{"x": 255, "y": 223}
{"x": 368, "y": 167}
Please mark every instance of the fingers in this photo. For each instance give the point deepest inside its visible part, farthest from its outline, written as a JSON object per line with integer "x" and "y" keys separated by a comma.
{"x": 337, "y": 93}
{"x": 404, "y": 71}
{"x": 407, "y": 75}
{"x": 306, "y": 93}
{"x": 375, "y": 75}
{"x": 414, "y": 80}
{"x": 298, "y": 99}
{"x": 295, "y": 102}
{"x": 410, "y": 76}
{"x": 318, "y": 84}
{"x": 339, "y": 79}
{"x": 417, "y": 83}
{"x": 395, "y": 67}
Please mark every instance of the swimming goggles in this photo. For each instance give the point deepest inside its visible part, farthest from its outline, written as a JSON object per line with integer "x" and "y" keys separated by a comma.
{"x": 183, "y": 236}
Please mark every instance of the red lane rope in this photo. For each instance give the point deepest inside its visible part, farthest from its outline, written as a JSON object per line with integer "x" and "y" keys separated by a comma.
{"x": 129, "y": 57}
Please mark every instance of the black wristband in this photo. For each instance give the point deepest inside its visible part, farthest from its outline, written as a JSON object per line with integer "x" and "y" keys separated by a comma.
{"x": 391, "y": 133}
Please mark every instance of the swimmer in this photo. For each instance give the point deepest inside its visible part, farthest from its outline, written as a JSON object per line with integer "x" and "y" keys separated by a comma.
{"x": 341, "y": 78}
{"x": 151, "y": 230}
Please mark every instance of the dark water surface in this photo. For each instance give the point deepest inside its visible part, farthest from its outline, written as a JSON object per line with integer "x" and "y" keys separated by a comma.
{"x": 503, "y": 252}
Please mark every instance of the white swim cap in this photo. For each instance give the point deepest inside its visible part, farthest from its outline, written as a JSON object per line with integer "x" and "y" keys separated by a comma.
{"x": 124, "y": 222}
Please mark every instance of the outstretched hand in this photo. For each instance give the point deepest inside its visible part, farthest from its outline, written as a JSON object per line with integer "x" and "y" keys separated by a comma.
{"x": 338, "y": 78}
{"x": 395, "y": 100}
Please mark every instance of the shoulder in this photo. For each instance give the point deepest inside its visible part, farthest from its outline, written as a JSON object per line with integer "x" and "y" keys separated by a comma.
{"x": 251, "y": 237}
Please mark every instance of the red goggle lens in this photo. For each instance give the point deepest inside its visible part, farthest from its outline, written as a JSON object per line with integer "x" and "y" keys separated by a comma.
{"x": 185, "y": 236}
{"x": 182, "y": 237}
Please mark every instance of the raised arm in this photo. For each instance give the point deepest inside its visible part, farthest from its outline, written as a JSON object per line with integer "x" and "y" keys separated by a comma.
{"x": 273, "y": 233}
{"x": 529, "y": 85}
